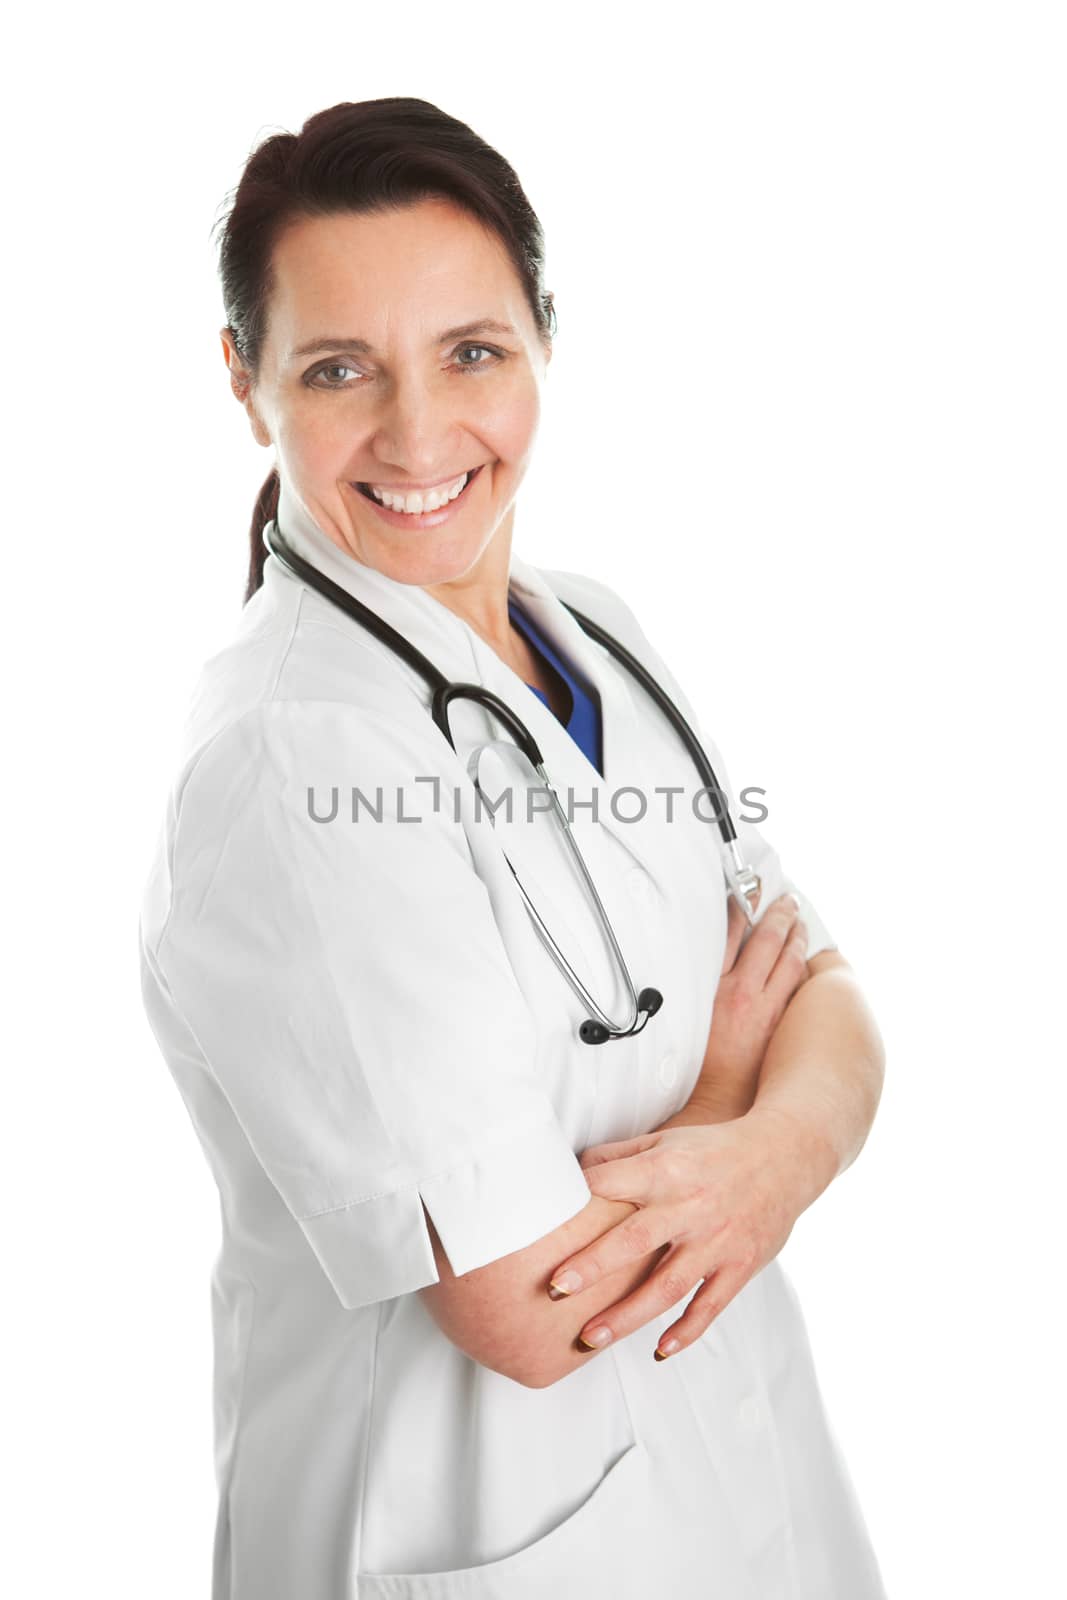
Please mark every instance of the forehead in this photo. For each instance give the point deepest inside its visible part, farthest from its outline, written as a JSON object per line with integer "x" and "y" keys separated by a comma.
{"x": 389, "y": 276}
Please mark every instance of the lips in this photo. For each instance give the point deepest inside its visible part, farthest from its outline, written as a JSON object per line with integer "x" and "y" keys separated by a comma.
{"x": 366, "y": 491}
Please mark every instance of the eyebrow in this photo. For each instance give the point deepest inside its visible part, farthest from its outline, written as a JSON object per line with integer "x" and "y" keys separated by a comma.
{"x": 361, "y": 346}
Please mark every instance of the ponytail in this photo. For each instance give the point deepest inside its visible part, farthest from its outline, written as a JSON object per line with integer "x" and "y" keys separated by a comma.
{"x": 266, "y": 509}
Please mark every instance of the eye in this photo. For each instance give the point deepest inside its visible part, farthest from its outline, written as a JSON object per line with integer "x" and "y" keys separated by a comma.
{"x": 494, "y": 354}
{"x": 331, "y": 366}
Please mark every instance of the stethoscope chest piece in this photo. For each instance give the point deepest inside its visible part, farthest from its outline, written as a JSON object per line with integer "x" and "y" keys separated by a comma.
{"x": 745, "y": 885}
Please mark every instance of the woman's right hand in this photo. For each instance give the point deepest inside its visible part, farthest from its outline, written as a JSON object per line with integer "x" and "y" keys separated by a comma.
{"x": 759, "y": 978}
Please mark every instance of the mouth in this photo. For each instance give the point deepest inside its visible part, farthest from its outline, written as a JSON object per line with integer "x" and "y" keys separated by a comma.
{"x": 420, "y": 518}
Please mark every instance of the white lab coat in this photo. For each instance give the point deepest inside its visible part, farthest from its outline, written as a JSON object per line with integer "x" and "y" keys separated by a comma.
{"x": 362, "y": 1021}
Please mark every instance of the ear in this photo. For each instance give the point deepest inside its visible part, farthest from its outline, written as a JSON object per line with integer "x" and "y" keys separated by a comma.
{"x": 242, "y": 386}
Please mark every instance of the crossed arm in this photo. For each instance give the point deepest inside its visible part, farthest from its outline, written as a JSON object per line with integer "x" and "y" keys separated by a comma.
{"x": 787, "y": 1093}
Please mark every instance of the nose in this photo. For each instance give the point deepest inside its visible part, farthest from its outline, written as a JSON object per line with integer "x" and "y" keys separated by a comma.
{"x": 416, "y": 426}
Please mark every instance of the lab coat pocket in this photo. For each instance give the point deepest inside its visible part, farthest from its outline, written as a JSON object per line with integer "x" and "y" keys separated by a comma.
{"x": 597, "y": 1549}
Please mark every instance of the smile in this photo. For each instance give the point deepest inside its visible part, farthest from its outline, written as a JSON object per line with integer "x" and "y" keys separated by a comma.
{"x": 419, "y": 502}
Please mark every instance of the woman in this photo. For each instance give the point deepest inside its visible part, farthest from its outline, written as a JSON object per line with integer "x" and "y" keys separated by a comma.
{"x": 434, "y": 1193}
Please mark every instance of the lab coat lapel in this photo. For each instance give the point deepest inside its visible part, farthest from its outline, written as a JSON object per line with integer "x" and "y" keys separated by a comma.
{"x": 625, "y": 858}
{"x": 623, "y": 758}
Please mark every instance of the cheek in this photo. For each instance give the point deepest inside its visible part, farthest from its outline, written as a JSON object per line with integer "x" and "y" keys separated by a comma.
{"x": 320, "y": 441}
{"x": 507, "y": 422}
{"x": 315, "y": 441}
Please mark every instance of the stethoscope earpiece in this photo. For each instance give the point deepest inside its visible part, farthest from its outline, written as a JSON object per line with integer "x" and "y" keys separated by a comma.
{"x": 592, "y": 1032}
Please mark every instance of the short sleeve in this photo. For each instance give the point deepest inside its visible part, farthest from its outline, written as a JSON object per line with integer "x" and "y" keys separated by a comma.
{"x": 756, "y": 848}
{"x": 347, "y": 985}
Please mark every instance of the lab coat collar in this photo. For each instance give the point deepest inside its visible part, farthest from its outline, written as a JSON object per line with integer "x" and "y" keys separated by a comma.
{"x": 459, "y": 652}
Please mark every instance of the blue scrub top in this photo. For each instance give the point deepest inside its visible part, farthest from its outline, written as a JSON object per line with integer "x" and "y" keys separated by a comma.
{"x": 583, "y": 722}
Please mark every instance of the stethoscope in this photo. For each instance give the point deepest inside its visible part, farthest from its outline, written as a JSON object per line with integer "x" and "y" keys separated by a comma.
{"x": 743, "y": 882}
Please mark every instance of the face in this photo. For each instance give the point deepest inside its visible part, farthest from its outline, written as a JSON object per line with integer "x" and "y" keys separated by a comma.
{"x": 380, "y": 370}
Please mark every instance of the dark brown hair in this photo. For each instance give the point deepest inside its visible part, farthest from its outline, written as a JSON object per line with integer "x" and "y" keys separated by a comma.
{"x": 370, "y": 156}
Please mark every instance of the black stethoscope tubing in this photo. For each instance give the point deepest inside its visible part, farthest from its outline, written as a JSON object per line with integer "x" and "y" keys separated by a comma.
{"x": 444, "y": 692}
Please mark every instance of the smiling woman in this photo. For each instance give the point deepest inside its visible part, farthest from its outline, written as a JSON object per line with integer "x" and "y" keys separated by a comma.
{"x": 436, "y": 1209}
{"x": 395, "y": 409}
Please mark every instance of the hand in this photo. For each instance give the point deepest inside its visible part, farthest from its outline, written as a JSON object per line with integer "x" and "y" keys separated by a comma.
{"x": 723, "y": 1198}
{"x": 759, "y": 978}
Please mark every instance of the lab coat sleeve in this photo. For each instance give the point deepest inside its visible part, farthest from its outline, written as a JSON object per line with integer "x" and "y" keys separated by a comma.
{"x": 348, "y": 988}
{"x": 609, "y": 609}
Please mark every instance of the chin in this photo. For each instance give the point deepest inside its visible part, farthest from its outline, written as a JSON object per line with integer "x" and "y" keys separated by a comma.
{"x": 424, "y": 564}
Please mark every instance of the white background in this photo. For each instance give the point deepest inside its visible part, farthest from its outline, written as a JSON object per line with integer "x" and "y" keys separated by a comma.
{"x": 806, "y": 413}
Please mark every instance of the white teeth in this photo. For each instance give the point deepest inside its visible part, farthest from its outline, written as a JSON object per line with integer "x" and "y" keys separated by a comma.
{"x": 417, "y": 502}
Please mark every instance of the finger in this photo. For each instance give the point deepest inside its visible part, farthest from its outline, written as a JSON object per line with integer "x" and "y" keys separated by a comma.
{"x": 790, "y": 970}
{"x": 713, "y": 1296}
{"x": 764, "y": 944}
{"x": 595, "y": 1154}
{"x": 628, "y": 1178}
{"x": 736, "y": 923}
{"x": 665, "y": 1286}
{"x": 627, "y": 1242}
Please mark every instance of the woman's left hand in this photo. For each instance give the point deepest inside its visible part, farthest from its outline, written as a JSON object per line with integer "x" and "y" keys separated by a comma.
{"x": 722, "y": 1198}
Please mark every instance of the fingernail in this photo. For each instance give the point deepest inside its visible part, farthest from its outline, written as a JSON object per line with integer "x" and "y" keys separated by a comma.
{"x": 795, "y": 899}
{"x": 565, "y": 1284}
{"x": 598, "y": 1337}
{"x": 667, "y": 1348}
